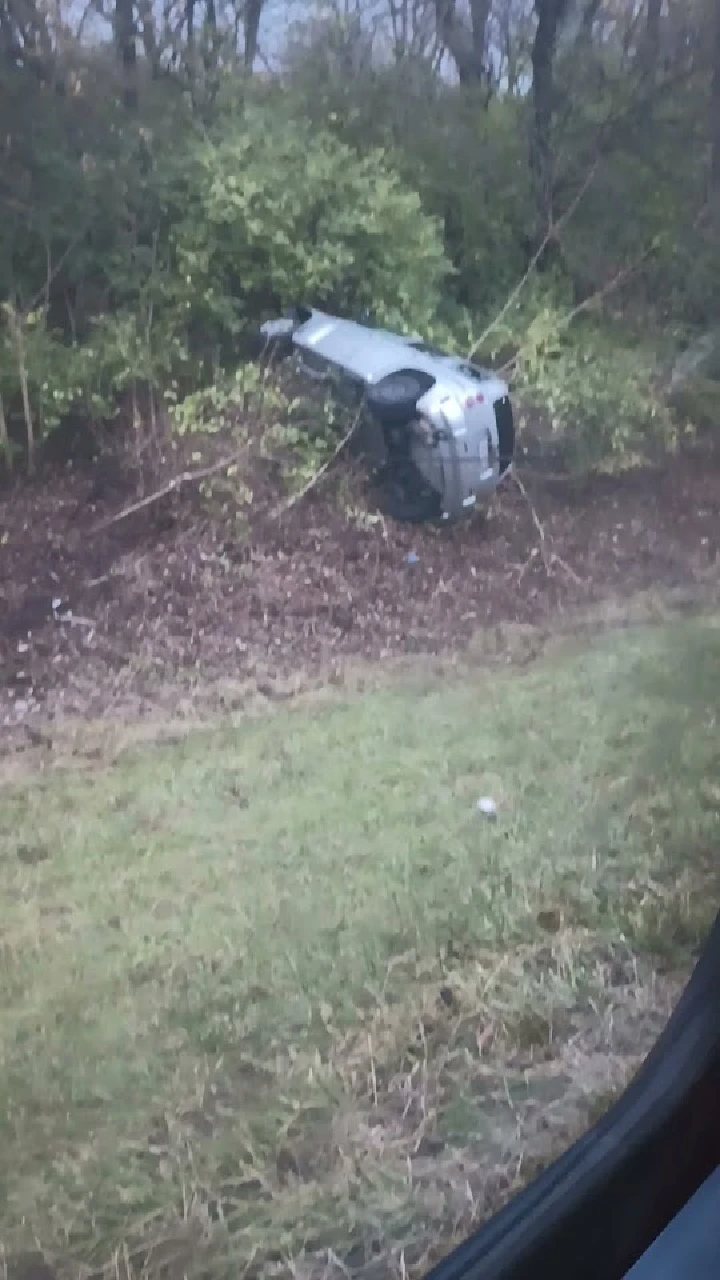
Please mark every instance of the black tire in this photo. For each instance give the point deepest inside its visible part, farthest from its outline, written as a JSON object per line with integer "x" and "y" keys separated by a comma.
{"x": 394, "y": 399}
{"x": 404, "y": 494}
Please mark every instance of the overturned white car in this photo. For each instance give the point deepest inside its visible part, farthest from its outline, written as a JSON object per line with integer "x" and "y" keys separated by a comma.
{"x": 437, "y": 430}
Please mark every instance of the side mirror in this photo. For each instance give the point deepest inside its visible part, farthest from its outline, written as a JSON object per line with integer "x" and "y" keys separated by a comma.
{"x": 281, "y": 328}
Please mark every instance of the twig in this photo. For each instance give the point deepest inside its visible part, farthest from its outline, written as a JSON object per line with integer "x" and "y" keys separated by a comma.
{"x": 610, "y": 285}
{"x": 53, "y": 273}
{"x": 73, "y": 620}
{"x": 190, "y": 477}
{"x": 321, "y": 472}
{"x": 535, "y": 519}
{"x": 17, "y": 336}
{"x": 5, "y": 448}
{"x": 373, "y": 1074}
{"x": 336, "y": 1262}
{"x": 177, "y": 482}
{"x": 552, "y": 234}
{"x": 549, "y": 558}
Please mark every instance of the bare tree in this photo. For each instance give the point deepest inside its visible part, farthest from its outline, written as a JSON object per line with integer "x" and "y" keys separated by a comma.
{"x": 510, "y": 42}
{"x": 413, "y": 30}
{"x": 466, "y": 43}
{"x": 25, "y": 36}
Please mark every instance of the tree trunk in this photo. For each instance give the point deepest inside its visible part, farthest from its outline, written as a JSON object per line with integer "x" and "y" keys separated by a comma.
{"x": 466, "y": 46}
{"x": 125, "y": 35}
{"x": 251, "y": 24}
{"x": 550, "y": 14}
{"x": 650, "y": 46}
{"x": 190, "y": 30}
{"x": 149, "y": 37}
{"x": 715, "y": 122}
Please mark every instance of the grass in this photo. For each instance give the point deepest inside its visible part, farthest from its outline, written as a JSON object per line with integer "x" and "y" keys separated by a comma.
{"x": 278, "y": 992}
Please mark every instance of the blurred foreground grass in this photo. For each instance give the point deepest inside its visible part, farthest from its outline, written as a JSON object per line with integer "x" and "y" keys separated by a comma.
{"x": 279, "y": 988}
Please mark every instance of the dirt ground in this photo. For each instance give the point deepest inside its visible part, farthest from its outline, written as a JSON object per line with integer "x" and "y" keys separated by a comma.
{"x": 93, "y": 619}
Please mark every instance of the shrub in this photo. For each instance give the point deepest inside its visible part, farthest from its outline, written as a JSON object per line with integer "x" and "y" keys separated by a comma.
{"x": 278, "y": 212}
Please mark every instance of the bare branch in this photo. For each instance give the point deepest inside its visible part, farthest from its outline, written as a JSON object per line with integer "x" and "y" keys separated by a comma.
{"x": 178, "y": 482}
{"x": 551, "y": 235}
{"x": 548, "y": 556}
{"x": 322, "y": 471}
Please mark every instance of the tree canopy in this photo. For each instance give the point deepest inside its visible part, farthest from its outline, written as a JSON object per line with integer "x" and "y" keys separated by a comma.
{"x": 171, "y": 174}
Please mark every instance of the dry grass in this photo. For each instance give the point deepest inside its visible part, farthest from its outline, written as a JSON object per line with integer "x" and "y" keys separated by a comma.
{"x": 277, "y": 999}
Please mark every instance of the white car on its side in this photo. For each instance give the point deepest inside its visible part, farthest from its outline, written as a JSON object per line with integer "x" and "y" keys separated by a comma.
{"x": 438, "y": 429}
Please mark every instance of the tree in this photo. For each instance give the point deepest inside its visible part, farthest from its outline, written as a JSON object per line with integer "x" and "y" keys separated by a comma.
{"x": 550, "y": 16}
{"x": 465, "y": 44}
{"x": 715, "y": 122}
{"x": 126, "y": 45}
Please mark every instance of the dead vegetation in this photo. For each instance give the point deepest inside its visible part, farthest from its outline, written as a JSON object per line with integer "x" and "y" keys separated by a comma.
{"x": 177, "y": 596}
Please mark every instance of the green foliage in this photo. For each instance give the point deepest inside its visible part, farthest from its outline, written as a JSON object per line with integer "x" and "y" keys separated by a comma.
{"x": 474, "y": 175}
{"x": 178, "y": 249}
{"x": 136, "y": 249}
{"x": 469, "y": 164}
{"x": 603, "y": 401}
{"x": 230, "y": 396}
{"x": 277, "y": 212}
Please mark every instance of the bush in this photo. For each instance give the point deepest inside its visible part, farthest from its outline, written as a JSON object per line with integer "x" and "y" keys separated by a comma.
{"x": 260, "y": 213}
{"x": 597, "y": 395}
{"x": 278, "y": 212}
{"x": 468, "y": 163}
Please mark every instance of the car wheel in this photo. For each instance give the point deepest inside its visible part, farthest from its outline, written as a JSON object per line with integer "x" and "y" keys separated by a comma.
{"x": 395, "y": 397}
{"x": 404, "y": 494}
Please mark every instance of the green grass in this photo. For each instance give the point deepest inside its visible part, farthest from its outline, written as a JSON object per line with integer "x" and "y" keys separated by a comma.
{"x": 257, "y": 987}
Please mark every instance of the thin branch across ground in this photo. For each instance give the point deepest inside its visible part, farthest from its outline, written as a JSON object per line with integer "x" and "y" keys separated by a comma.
{"x": 182, "y": 481}
{"x": 315, "y": 479}
{"x": 548, "y": 556}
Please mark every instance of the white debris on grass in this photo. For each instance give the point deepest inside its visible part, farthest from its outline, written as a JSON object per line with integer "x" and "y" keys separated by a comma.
{"x": 487, "y": 807}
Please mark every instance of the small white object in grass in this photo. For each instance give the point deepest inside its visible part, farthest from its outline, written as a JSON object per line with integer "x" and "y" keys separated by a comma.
{"x": 487, "y": 806}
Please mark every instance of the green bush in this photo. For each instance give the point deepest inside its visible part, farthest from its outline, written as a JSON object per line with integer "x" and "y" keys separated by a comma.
{"x": 254, "y": 215}
{"x": 597, "y": 395}
{"x": 468, "y": 163}
{"x": 137, "y": 248}
{"x": 278, "y": 212}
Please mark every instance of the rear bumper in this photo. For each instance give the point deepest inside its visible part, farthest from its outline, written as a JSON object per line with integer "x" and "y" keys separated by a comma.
{"x": 456, "y": 505}
{"x": 461, "y": 461}
{"x": 473, "y": 447}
